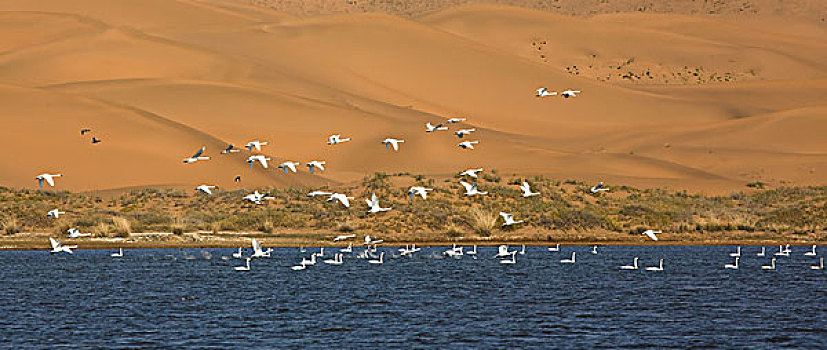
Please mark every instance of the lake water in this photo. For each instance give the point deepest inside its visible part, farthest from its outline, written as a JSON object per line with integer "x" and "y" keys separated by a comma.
{"x": 193, "y": 298}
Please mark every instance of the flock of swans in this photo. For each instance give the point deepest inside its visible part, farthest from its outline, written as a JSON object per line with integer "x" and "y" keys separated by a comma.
{"x": 504, "y": 254}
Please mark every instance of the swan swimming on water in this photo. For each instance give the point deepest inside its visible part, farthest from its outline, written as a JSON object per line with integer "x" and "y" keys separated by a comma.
{"x": 239, "y": 254}
{"x": 656, "y": 268}
{"x": 769, "y": 267}
{"x": 502, "y": 251}
{"x": 349, "y": 248}
{"x": 763, "y": 252}
{"x": 812, "y": 252}
{"x": 513, "y": 259}
{"x": 119, "y": 254}
{"x": 337, "y": 260}
{"x": 594, "y": 250}
{"x": 782, "y": 251}
{"x": 569, "y": 261}
{"x": 733, "y": 266}
{"x": 380, "y": 260}
{"x": 555, "y": 248}
{"x": 820, "y": 265}
{"x": 633, "y": 266}
{"x": 243, "y": 268}
{"x": 300, "y": 267}
{"x": 737, "y": 252}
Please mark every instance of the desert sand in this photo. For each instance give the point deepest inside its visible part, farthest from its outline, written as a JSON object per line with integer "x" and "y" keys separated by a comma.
{"x": 672, "y": 96}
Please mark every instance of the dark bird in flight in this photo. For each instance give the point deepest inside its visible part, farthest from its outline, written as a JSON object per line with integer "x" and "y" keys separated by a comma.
{"x": 84, "y": 131}
{"x": 238, "y": 179}
{"x": 94, "y": 140}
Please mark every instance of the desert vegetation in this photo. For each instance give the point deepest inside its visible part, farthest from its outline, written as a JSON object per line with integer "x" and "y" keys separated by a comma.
{"x": 565, "y": 207}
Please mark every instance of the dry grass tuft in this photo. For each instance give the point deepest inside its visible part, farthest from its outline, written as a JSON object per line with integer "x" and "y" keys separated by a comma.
{"x": 102, "y": 230}
{"x": 482, "y": 221}
{"x": 10, "y": 225}
{"x": 122, "y": 226}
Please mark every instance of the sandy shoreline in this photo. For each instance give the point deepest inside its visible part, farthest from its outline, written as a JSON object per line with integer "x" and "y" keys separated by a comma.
{"x": 39, "y": 241}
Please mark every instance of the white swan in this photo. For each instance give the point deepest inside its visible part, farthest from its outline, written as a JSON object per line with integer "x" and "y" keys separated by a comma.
{"x": 508, "y": 219}
{"x": 205, "y": 189}
{"x": 313, "y": 164}
{"x": 812, "y": 252}
{"x": 340, "y": 198}
{"x": 569, "y": 261}
{"x": 58, "y": 247}
{"x": 526, "y": 188}
{"x": 454, "y": 252}
{"x": 49, "y": 178}
{"x": 299, "y": 267}
{"x": 432, "y": 128}
{"x": 543, "y": 92}
{"x": 336, "y": 139}
{"x": 471, "y": 172}
{"x": 569, "y": 93}
{"x": 380, "y": 261}
{"x": 392, "y": 142}
{"x": 343, "y": 237}
{"x": 781, "y": 251}
{"x": 467, "y": 144}
{"x": 471, "y": 190}
{"x": 737, "y": 252}
{"x": 763, "y": 252}
{"x": 337, "y": 260}
{"x": 513, "y": 259}
{"x": 258, "y": 251}
{"x": 769, "y": 267}
{"x": 373, "y": 204}
{"x": 289, "y": 166}
{"x": 230, "y": 149}
{"x": 633, "y": 266}
{"x": 255, "y": 144}
{"x": 656, "y": 268}
{"x": 455, "y": 120}
{"x": 472, "y": 251}
{"x": 197, "y": 156}
{"x": 319, "y": 193}
{"x": 651, "y": 234}
{"x": 462, "y": 132}
{"x": 243, "y": 268}
{"x": 733, "y": 266}
{"x": 555, "y": 248}
{"x": 258, "y": 158}
{"x": 594, "y": 250}
{"x": 419, "y": 190}
{"x": 502, "y": 251}
{"x": 311, "y": 261}
{"x": 239, "y": 254}
{"x": 598, "y": 188}
{"x": 54, "y": 213}
{"x": 370, "y": 241}
{"x": 257, "y": 197}
{"x": 119, "y": 254}
{"x": 75, "y": 233}
{"x": 349, "y": 248}
{"x": 820, "y": 265}
{"x": 522, "y": 250}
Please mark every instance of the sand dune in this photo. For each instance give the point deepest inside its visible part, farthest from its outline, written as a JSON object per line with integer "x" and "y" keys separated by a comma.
{"x": 157, "y": 80}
